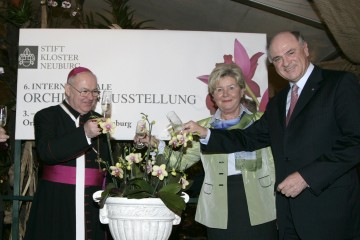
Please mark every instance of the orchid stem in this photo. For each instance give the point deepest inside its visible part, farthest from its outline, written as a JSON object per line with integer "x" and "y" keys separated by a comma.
{"x": 110, "y": 150}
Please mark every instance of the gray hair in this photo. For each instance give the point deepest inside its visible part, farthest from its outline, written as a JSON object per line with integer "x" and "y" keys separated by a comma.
{"x": 298, "y": 36}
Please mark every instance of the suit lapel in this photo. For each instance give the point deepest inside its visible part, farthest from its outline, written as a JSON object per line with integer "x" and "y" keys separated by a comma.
{"x": 282, "y": 96}
{"x": 311, "y": 87}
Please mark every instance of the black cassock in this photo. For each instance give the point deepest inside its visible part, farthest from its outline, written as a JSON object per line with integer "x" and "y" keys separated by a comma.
{"x": 60, "y": 142}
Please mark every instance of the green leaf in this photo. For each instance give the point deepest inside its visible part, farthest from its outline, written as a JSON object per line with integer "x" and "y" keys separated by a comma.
{"x": 109, "y": 186}
{"x": 172, "y": 201}
{"x": 140, "y": 183}
{"x": 174, "y": 179}
{"x": 171, "y": 188}
{"x": 139, "y": 195}
{"x": 103, "y": 200}
{"x": 138, "y": 187}
{"x": 110, "y": 191}
{"x": 160, "y": 159}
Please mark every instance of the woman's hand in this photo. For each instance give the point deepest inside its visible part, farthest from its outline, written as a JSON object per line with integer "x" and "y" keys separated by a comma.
{"x": 195, "y": 129}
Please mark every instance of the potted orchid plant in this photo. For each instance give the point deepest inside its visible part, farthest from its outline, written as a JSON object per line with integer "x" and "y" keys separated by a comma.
{"x": 138, "y": 174}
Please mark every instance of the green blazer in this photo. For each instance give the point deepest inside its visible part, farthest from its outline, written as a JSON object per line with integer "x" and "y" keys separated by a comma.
{"x": 258, "y": 177}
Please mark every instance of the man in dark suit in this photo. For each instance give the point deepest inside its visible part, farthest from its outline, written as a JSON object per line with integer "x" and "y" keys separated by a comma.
{"x": 69, "y": 142}
{"x": 316, "y": 150}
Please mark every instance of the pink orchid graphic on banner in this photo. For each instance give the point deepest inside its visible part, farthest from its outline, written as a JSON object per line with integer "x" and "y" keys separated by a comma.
{"x": 248, "y": 66}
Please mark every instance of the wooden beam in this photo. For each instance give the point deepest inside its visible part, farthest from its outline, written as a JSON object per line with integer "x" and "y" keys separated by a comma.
{"x": 264, "y": 6}
{"x": 43, "y": 14}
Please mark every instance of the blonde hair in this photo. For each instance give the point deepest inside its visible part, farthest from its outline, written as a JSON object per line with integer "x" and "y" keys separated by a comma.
{"x": 225, "y": 70}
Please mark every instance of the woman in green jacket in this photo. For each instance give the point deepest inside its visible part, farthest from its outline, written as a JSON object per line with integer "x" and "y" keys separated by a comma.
{"x": 237, "y": 196}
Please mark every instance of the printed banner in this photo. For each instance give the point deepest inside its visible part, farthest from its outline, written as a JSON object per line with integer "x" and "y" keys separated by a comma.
{"x": 148, "y": 71}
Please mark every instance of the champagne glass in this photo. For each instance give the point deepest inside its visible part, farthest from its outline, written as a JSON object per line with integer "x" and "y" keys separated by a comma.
{"x": 175, "y": 121}
{"x": 140, "y": 132}
{"x": 106, "y": 104}
{"x": 3, "y": 115}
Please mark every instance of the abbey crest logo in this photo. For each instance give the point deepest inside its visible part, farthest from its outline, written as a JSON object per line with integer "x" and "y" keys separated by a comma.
{"x": 28, "y": 57}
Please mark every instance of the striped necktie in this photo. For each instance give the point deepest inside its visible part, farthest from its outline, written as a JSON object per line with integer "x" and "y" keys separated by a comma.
{"x": 294, "y": 98}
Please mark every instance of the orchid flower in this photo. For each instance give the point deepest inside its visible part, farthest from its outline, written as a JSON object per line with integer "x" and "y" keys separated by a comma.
{"x": 133, "y": 158}
{"x": 52, "y": 3}
{"x": 65, "y": 4}
{"x": 160, "y": 171}
{"x": 149, "y": 166}
{"x": 180, "y": 139}
{"x": 183, "y": 182}
{"x": 107, "y": 126}
{"x": 173, "y": 141}
{"x": 117, "y": 170}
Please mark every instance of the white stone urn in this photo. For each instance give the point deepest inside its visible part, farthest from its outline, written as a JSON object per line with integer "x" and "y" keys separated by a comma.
{"x": 137, "y": 219}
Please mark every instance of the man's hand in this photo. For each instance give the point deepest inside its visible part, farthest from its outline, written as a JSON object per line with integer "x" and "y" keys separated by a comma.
{"x": 3, "y": 136}
{"x": 195, "y": 129}
{"x": 293, "y": 185}
{"x": 146, "y": 139}
{"x": 92, "y": 128}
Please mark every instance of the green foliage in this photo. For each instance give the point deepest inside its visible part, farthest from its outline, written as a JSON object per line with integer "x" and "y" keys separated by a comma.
{"x": 121, "y": 15}
{"x": 20, "y": 16}
{"x": 5, "y": 164}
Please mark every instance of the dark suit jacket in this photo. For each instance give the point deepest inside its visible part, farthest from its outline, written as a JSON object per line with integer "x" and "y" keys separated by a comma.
{"x": 322, "y": 143}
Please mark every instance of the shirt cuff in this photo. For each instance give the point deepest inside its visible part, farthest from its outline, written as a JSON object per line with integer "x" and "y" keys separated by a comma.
{"x": 161, "y": 147}
{"x": 206, "y": 139}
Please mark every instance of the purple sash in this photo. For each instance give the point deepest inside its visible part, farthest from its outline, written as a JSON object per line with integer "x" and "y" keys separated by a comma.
{"x": 67, "y": 175}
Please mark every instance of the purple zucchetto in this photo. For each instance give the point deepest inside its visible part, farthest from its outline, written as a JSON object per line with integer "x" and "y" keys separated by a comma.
{"x": 77, "y": 70}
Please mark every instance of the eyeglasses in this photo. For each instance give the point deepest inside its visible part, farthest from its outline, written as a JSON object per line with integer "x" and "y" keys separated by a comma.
{"x": 85, "y": 93}
{"x": 230, "y": 89}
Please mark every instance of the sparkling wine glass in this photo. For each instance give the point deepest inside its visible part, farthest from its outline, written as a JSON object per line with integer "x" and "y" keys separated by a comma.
{"x": 3, "y": 115}
{"x": 140, "y": 132}
{"x": 175, "y": 121}
{"x": 106, "y": 104}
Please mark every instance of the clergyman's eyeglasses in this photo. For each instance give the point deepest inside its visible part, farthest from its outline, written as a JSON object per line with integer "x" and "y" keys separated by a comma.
{"x": 85, "y": 93}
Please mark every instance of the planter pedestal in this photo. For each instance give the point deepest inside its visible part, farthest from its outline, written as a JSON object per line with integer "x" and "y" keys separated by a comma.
{"x": 138, "y": 219}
